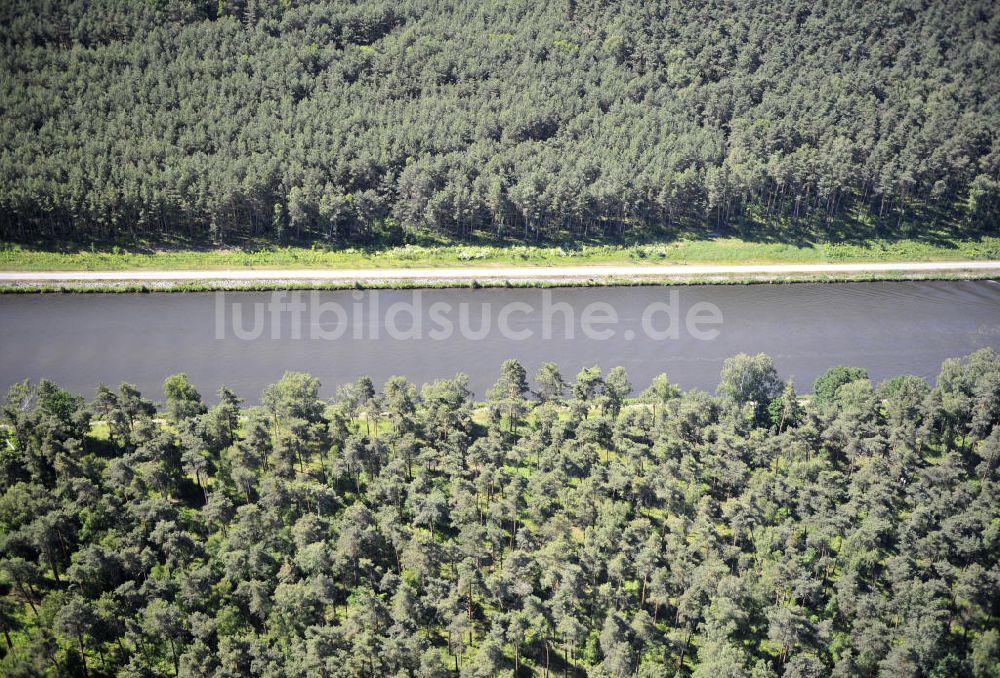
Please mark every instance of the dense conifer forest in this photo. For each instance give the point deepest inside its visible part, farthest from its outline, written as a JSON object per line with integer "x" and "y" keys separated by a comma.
{"x": 551, "y": 529}
{"x": 340, "y": 122}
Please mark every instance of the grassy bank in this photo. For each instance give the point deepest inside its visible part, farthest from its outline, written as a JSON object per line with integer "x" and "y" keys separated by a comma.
{"x": 289, "y": 285}
{"x": 715, "y": 251}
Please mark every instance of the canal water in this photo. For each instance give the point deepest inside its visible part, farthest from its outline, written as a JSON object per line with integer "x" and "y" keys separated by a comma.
{"x": 247, "y": 340}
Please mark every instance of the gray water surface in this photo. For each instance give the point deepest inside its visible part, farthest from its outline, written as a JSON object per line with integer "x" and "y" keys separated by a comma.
{"x": 892, "y": 328}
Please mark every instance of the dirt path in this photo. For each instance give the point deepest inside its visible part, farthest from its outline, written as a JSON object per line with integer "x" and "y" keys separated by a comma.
{"x": 501, "y": 273}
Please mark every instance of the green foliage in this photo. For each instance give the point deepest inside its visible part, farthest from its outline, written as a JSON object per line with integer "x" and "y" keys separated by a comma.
{"x": 131, "y": 122}
{"x": 750, "y": 380}
{"x": 182, "y": 399}
{"x": 551, "y": 385}
{"x": 412, "y": 532}
{"x": 825, "y": 387}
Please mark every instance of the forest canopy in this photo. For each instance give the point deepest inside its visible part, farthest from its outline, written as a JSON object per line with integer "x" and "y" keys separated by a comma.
{"x": 349, "y": 122}
{"x": 560, "y": 527}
